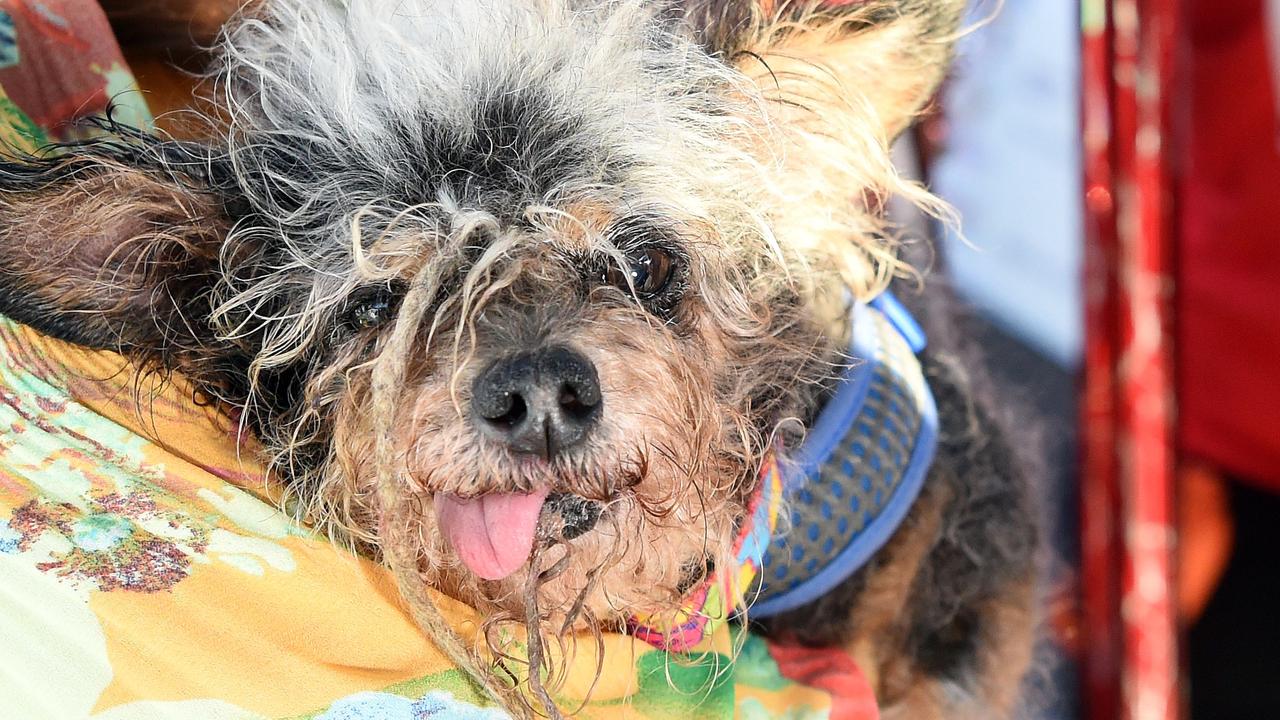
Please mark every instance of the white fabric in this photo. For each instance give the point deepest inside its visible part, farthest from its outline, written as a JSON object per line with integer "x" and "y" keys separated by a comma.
{"x": 1012, "y": 168}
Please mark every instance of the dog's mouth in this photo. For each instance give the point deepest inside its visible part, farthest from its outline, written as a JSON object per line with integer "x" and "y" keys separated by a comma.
{"x": 493, "y": 534}
{"x": 566, "y": 516}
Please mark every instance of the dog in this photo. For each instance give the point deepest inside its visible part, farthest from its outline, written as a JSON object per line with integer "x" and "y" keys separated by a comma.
{"x": 519, "y": 298}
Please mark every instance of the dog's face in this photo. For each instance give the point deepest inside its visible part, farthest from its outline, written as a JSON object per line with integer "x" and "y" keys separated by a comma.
{"x": 497, "y": 280}
{"x": 538, "y": 221}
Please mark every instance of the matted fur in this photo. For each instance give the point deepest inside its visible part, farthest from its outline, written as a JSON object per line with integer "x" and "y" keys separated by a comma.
{"x": 476, "y": 169}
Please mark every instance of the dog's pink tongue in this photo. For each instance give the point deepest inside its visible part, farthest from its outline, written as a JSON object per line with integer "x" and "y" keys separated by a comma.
{"x": 492, "y": 534}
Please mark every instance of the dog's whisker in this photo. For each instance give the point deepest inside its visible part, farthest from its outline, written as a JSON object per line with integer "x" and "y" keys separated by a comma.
{"x": 534, "y": 639}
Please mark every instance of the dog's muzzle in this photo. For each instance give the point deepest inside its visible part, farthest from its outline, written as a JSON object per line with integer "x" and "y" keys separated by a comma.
{"x": 575, "y": 515}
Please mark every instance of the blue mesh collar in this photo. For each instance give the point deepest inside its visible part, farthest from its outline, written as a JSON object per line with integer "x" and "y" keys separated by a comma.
{"x": 862, "y": 464}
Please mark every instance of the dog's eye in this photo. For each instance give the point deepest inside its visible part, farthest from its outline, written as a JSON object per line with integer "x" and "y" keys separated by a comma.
{"x": 370, "y": 308}
{"x": 650, "y": 271}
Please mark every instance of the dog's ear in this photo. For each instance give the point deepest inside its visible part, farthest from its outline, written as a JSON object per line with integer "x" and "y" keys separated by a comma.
{"x": 883, "y": 56}
{"x": 111, "y": 244}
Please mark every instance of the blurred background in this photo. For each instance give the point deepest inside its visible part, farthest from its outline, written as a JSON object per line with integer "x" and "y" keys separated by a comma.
{"x": 1115, "y": 163}
{"x": 1116, "y": 166}
{"x": 1003, "y": 147}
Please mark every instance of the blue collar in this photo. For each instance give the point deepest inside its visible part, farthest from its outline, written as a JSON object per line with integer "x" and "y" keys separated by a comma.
{"x": 861, "y": 466}
{"x": 844, "y": 490}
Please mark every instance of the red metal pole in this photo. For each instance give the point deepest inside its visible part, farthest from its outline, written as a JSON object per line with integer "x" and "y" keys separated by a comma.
{"x": 1129, "y": 63}
{"x": 1146, "y": 454}
{"x": 1100, "y": 507}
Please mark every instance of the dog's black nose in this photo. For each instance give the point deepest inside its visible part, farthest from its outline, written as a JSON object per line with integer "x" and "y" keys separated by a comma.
{"x": 538, "y": 403}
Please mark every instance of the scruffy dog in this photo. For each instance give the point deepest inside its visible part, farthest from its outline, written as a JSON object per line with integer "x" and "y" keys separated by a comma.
{"x": 517, "y": 294}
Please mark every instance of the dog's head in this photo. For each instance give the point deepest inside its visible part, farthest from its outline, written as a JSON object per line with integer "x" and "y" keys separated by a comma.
{"x": 496, "y": 278}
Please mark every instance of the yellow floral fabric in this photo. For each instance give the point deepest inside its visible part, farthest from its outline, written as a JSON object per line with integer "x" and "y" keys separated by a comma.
{"x": 146, "y": 571}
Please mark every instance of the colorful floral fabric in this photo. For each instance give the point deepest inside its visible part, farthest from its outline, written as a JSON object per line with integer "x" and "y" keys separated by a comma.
{"x": 146, "y": 571}
{"x": 59, "y": 63}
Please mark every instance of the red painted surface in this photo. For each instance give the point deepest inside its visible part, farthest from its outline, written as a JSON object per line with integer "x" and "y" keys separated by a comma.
{"x": 1129, "y": 65}
{"x": 1100, "y": 550}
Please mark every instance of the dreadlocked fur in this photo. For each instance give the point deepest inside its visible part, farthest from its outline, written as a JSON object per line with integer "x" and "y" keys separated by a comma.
{"x": 396, "y": 195}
